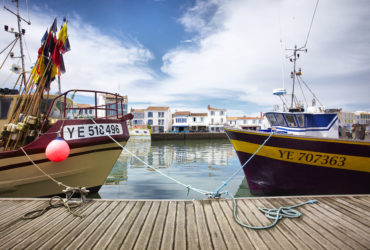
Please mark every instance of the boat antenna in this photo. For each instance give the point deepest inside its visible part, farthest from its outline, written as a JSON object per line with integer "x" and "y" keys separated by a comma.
{"x": 313, "y": 17}
{"x": 19, "y": 35}
{"x": 293, "y": 58}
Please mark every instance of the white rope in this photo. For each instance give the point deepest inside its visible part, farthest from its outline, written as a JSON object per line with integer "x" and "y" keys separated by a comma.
{"x": 158, "y": 171}
{"x": 42, "y": 171}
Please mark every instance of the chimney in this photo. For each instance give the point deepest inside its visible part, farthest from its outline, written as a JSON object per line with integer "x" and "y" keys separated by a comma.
{"x": 209, "y": 106}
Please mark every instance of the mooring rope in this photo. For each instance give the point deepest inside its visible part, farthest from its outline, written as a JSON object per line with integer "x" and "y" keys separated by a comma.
{"x": 224, "y": 183}
{"x": 188, "y": 187}
{"x": 67, "y": 203}
{"x": 275, "y": 214}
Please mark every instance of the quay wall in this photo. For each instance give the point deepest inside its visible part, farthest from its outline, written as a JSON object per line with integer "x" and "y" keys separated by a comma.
{"x": 187, "y": 136}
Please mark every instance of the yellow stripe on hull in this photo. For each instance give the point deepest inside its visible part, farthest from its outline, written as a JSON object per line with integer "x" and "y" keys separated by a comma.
{"x": 314, "y": 158}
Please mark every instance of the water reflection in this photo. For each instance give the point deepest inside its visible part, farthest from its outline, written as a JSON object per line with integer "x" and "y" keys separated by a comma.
{"x": 200, "y": 163}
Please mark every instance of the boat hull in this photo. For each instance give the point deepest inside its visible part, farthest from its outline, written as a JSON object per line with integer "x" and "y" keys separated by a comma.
{"x": 89, "y": 163}
{"x": 293, "y": 165}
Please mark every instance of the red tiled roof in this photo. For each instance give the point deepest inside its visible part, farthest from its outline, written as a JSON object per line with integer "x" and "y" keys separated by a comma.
{"x": 198, "y": 114}
{"x": 181, "y": 113}
{"x": 157, "y": 108}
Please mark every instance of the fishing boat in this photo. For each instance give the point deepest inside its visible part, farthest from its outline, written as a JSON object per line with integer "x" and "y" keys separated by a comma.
{"x": 301, "y": 153}
{"x": 31, "y": 118}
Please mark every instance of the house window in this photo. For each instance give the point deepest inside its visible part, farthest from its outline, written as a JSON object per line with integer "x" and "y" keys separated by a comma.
{"x": 160, "y": 114}
{"x": 244, "y": 121}
{"x": 150, "y": 114}
{"x": 161, "y": 122}
{"x": 201, "y": 119}
{"x": 194, "y": 119}
{"x": 212, "y": 120}
{"x": 222, "y": 120}
{"x": 221, "y": 112}
{"x": 212, "y": 113}
{"x": 150, "y": 122}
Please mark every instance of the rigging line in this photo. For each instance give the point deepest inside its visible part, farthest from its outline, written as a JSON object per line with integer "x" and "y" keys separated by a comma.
{"x": 300, "y": 86}
{"x": 28, "y": 52}
{"x": 313, "y": 94}
{"x": 14, "y": 41}
{"x": 309, "y": 30}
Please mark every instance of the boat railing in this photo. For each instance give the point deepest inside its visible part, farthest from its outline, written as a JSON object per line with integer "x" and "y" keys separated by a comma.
{"x": 111, "y": 106}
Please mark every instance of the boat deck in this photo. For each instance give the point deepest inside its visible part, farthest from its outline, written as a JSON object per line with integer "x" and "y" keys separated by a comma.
{"x": 335, "y": 222}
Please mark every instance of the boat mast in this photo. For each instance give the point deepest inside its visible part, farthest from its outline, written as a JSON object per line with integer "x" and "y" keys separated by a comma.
{"x": 19, "y": 34}
{"x": 293, "y": 58}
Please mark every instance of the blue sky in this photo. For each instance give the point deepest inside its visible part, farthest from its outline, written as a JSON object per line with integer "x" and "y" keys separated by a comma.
{"x": 187, "y": 54}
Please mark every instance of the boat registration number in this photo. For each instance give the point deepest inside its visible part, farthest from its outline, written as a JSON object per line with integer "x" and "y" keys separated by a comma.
{"x": 73, "y": 132}
{"x": 313, "y": 158}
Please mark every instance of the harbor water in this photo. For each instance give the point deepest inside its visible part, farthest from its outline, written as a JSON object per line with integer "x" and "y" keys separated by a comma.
{"x": 202, "y": 164}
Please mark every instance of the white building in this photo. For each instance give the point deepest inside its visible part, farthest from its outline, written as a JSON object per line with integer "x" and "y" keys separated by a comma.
{"x": 158, "y": 118}
{"x": 216, "y": 119}
{"x": 198, "y": 122}
{"x": 180, "y": 121}
{"x": 347, "y": 119}
{"x": 139, "y": 118}
{"x": 109, "y": 106}
{"x": 81, "y": 111}
{"x": 250, "y": 123}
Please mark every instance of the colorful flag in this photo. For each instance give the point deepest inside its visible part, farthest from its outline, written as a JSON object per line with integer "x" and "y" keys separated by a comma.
{"x": 62, "y": 36}
{"x": 43, "y": 39}
{"x": 54, "y": 26}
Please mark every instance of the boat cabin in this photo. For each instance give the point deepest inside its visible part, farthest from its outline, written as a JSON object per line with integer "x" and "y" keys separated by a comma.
{"x": 319, "y": 124}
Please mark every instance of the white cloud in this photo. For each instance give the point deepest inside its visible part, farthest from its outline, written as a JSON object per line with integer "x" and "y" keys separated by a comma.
{"x": 96, "y": 60}
{"x": 233, "y": 52}
{"x": 242, "y": 52}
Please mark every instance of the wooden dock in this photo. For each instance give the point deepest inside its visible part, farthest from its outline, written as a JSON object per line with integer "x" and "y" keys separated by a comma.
{"x": 335, "y": 222}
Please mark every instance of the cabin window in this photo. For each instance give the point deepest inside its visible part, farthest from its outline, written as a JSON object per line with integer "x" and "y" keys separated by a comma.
{"x": 291, "y": 121}
{"x": 271, "y": 118}
{"x": 4, "y": 107}
{"x": 280, "y": 120}
{"x": 300, "y": 119}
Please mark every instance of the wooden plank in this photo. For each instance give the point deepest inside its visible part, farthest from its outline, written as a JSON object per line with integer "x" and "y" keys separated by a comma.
{"x": 341, "y": 233}
{"x": 254, "y": 236}
{"x": 241, "y": 236}
{"x": 362, "y": 215}
{"x": 147, "y": 230}
{"x": 192, "y": 240}
{"x": 114, "y": 227}
{"x": 333, "y": 222}
{"x": 17, "y": 211}
{"x": 298, "y": 237}
{"x": 283, "y": 237}
{"x": 168, "y": 231}
{"x": 202, "y": 227}
{"x": 228, "y": 235}
{"x": 47, "y": 231}
{"x": 180, "y": 230}
{"x": 346, "y": 223}
{"x": 85, "y": 232}
{"x": 255, "y": 219}
{"x": 102, "y": 228}
{"x": 125, "y": 227}
{"x": 301, "y": 225}
{"x": 320, "y": 226}
{"x": 156, "y": 236}
{"x": 137, "y": 226}
{"x": 16, "y": 236}
{"x": 71, "y": 230}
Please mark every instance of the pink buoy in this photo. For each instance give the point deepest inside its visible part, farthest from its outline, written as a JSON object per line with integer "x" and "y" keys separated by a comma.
{"x": 57, "y": 150}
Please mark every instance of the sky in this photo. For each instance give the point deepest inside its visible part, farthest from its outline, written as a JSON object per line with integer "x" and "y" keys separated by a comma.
{"x": 187, "y": 54}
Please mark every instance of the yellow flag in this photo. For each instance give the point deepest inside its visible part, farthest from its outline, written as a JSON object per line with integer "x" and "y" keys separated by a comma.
{"x": 62, "y": 36}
